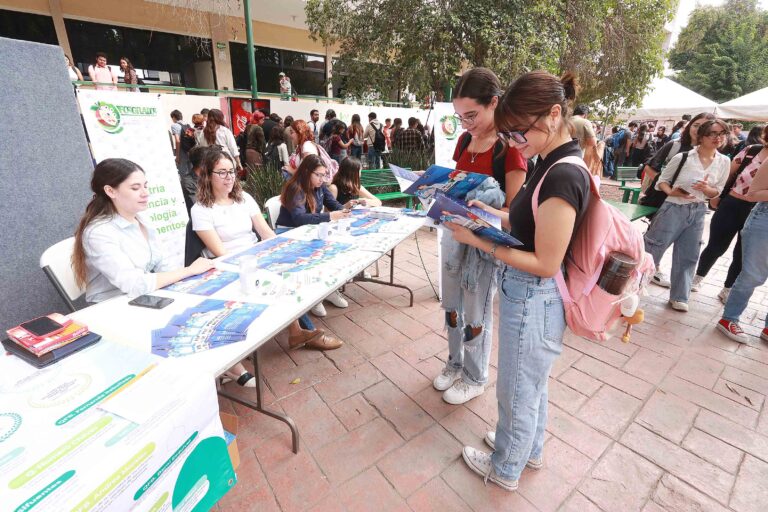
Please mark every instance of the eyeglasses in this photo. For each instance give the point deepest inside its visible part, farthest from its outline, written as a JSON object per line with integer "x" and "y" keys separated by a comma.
{"x": 716, "y": 135}
{"x": 224, "y": 174}
{"x": 469, "y": 119}
{"x": 518, "y": 137}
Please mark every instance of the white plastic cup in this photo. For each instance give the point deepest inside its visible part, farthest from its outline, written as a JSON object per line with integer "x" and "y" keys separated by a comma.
{"x": 323, "y": 230}
{"x": 249, "y": 282}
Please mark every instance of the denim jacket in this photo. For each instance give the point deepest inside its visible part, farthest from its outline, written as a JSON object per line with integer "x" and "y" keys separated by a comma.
{"x": 470, "y": 260}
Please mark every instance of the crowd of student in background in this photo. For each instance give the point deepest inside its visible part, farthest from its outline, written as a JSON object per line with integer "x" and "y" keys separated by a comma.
{"x": 701, "y": 164}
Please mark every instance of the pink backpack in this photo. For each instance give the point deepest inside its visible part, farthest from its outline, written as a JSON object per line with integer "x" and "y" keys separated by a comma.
{"x": 589, "y": 310}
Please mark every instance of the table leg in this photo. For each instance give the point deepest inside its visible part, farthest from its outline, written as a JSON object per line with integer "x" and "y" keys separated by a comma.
{"x": 256, "y": 406}
{"x": 391, "y": 282}
{"x": 625, "y": 197}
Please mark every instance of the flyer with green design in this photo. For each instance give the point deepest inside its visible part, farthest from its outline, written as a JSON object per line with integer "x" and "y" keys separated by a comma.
{"x": 110, "y": 428}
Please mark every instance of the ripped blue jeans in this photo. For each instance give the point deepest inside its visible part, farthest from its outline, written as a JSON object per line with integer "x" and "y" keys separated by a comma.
{"x": 468, "y": 287}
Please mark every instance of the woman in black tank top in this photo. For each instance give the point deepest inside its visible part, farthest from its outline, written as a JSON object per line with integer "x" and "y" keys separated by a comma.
{"x": 346, "y": 184}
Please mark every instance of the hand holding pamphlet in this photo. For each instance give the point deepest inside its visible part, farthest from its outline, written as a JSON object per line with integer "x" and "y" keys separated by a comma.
{"x": 480, "y": 222}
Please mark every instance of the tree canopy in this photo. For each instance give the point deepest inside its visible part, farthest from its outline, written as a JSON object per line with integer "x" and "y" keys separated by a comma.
{"x": 386, "y": 46}
{"x": 723, "y": 52}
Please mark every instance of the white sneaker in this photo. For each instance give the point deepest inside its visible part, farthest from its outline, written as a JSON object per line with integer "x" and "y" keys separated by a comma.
{"x": 723, "y": 295}
{"x": 696, "y": 284}
{"x": 337, "y": 299}
{"x": 679, "y": 306}
{"x": 319, "y": 310}
{"x": 661, "y": 279}
{"x": 480, "y": 463}
{"x": 461, "y": 392}
{"x": 446, "y": 378}
{"x": 490, "y": 440}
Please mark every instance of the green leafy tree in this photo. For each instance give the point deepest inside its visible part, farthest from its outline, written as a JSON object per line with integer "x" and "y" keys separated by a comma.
{"x": 723, "y": 51}
{"x": 386, "y": 46}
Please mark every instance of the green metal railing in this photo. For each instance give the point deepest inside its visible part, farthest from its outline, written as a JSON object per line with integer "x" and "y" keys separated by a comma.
{"x": 178, "y": 89}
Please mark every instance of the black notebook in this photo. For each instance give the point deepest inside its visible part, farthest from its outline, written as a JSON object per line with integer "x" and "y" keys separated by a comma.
{"x": 54, "y": 355}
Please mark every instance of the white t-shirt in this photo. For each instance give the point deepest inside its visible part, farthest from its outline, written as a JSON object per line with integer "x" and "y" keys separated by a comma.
{"x": 233, "y": 223}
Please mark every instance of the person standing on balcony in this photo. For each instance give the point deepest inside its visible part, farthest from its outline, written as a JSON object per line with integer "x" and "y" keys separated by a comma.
{"x": 130, "y": 76}
{"x": 285, "y": 87}
{"x": 100, "y": 73}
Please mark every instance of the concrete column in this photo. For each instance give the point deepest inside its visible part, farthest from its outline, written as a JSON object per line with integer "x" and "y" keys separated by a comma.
{"x": 222, "y": 63}
{"x": 61, "y": 31}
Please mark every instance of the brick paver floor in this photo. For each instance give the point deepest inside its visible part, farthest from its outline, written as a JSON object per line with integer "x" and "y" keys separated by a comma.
{"x": 674, "y": 420}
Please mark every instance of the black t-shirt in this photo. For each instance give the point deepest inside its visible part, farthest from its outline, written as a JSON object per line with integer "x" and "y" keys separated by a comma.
{"x": 565, "y": 181}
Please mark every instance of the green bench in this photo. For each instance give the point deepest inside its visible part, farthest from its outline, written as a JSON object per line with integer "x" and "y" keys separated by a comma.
{"x": 633, "y": 211}
{"x": 624, "y": 175}
{"x": 379, "y": 178}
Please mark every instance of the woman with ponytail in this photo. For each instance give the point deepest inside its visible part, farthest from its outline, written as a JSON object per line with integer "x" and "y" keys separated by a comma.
{"x": 533, "y": 116}
{"x": 115, "y": 251}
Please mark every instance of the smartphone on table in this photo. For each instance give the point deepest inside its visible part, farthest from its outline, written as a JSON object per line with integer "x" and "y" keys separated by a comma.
{"x": 151, "y": 301}
{"x": 43, "y": 326}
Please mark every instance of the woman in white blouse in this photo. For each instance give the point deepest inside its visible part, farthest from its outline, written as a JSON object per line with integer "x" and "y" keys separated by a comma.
{"x": 116, "y": 252}
{"x": 74, "y": 73}
{"x": 680, "y": 220}
{"x": 225, "y": 218}
{"x": 217, "y": 133}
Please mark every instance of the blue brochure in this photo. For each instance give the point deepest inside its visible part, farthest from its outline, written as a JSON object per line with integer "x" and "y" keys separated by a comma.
{"x": 453, "y": 183}
{"x": 482, "y": 223}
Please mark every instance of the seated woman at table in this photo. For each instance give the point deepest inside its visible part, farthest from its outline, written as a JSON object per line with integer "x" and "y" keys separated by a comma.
{"x": 225, "y": 218}
{"x": 346, "y": 184}
{"x": 302, "y": 201}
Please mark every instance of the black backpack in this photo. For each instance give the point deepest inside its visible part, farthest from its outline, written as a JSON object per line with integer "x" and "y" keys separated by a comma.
{"x": 499, "y": 161}
{"x": 379, "y": 142}
{"x": 655, "y": 197}
{"x": 187, "y": 138}
{"x": 272, "y": 156}
{"x": 242, "y": 142}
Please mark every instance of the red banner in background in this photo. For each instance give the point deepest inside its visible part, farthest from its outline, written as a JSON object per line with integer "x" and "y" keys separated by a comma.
{"x": 240, "y": 110}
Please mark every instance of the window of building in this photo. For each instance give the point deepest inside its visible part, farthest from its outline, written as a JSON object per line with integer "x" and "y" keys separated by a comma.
{"x": 307, "y": 71}
{"x": 27, "y": 27}
{"x": 160, "y": 58}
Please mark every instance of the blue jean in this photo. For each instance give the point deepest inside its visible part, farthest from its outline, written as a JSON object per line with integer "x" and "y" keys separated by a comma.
{"x": 469, "y": 293}
{"x": 682, "y": 225}
{"x": 531, "y": 328}
{"x": 754, "y": 263}
{"x": 374, "y": 158}
{"x": 356, "y": 151}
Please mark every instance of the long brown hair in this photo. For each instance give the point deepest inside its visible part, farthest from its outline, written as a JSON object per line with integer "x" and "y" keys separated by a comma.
{"x": 304, "y": 134}
{"x": 347, "y": 180}
{"x": 685, "y": 138}
{"x": 204, "y": 183}
{"x": 301, "y": 183}
{"x": 534, "y": 94}
{"x": 109, "y": 172}
{"x": 215, "y": 119}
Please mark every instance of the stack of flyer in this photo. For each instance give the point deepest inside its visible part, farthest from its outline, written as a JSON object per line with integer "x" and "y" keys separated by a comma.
{"x": 41, "y": 349}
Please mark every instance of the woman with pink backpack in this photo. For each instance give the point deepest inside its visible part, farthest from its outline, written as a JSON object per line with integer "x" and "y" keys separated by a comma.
{"x": 533, "y": 115}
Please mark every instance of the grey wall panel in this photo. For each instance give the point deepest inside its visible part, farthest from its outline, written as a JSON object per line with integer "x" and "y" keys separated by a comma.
{"x": 45, "y": 170}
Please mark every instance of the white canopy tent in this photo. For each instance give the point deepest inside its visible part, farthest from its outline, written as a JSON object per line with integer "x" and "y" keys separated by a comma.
{"x": 668, "y": 100}
{"x": 750, "y": 107}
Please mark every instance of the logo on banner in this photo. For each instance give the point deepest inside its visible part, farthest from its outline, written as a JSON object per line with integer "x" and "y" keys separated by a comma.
{"x": 449, "y": 126}
{"x": 110, "y": 117}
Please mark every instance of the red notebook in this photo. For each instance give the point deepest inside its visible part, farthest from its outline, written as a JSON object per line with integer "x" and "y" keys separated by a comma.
{"x": 42, "y": 344}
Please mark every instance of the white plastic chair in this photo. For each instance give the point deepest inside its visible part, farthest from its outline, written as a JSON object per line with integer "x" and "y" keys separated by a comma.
{"x": 273, "y": 210}
{"x": 56, "y": 262}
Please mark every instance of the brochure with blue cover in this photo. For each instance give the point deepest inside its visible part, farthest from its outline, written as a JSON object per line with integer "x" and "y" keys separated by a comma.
{"x": 454, "y": 184}
{"x": 482, "y": 223}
